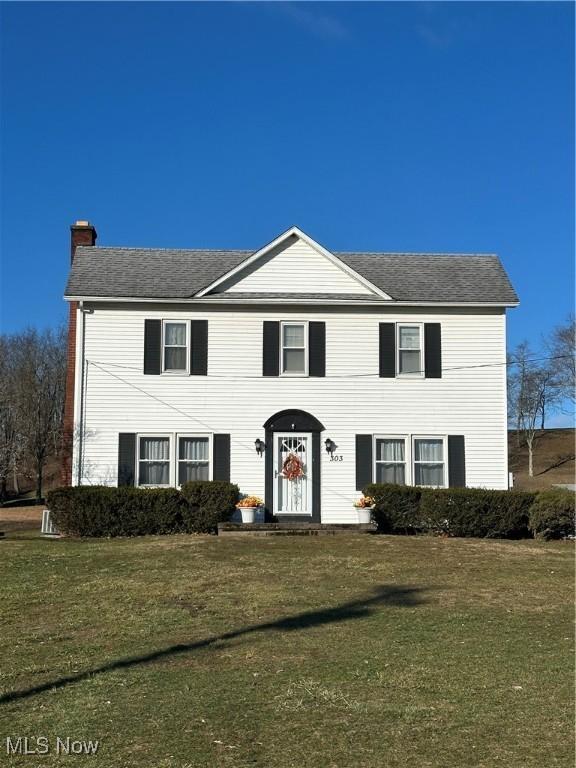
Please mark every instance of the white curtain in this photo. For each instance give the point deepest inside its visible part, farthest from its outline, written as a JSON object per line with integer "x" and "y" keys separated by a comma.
{"x": 409, "y": 338}
{"x": 193, "y": 448}
{"x": 390, "y": 450}
{"x": 428, "y": 450}
{"x": 187, "y": 472}
{"x": 390, "y": 473}
{"x": 193, "y": 455}
{"x": 431, "y": 472}
{"x": 293, "y": 335}
{"x": 154, "y": 461}
{"x": 175, "y": 333}
{"x": 156, "y": 448}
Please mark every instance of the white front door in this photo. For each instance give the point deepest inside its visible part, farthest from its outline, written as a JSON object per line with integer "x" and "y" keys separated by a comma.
{"x": 293, "y": 497}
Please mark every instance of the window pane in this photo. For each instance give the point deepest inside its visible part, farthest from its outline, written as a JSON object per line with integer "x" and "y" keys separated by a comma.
{"x": 429, "y": 474}
{"x": 293, "y": 335}
{"x": 390, "y": 473}
{"x": 409, "y": 362}
{"x": 409, "y": 338}
{"x": 192, "y": 471}
{"x": 175, "y": 358}
{"x": 193, "y": 448}
{"x": 154, "y": 448}
{"x": 293, "y": 361}
{"x": 175, "y": 333}
{"x": 154, "y": 473}
{"x": 390, "y": 450}
{"x": 429, "y": 450}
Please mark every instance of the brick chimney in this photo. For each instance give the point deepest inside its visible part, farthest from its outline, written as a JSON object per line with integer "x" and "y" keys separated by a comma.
{"x": 81, "y": 233}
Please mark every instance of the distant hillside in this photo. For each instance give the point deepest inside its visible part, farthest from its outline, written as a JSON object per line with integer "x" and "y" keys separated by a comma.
{"x": 553, "y": 459}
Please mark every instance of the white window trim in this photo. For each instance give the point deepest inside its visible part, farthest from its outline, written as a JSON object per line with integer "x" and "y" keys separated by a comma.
{"x": 156, "y": 435}
{"x": 407, "y": 457}
{"x": 169, "y": 371}
{"x": 177, "y": 458}
{"x": 420, "y": 374}
{"x": 444, "y": 439}
{"x": 306, "y": 348}
{"x": 409, "y": 453}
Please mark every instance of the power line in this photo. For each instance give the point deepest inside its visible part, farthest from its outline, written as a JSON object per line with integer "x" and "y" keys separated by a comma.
{"x": 98, "y": 363}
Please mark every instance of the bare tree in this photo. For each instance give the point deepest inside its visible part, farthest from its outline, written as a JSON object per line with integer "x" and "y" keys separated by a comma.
{"x": 531, "y": 391}
{"x": 10, "y": 444}
{"x": 561, "y": 347}
{"x": 38, "y": 366}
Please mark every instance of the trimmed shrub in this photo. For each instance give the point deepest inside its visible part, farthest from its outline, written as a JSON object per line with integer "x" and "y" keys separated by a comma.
{"x": 476, "y": 512}
{"x": 396, "y": 507}
{"x": 553, "y": 515}
{"x": 105, "y": 511}
{"x": 209, "y": 502}
{"x": 473, "y": 512}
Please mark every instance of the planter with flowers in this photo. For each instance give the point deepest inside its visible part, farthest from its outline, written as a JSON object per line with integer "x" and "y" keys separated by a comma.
{"x": 248, "y": 506}
{"x": 364, "y": 505}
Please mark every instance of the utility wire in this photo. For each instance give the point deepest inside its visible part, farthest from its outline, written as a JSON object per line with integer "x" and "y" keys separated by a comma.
{"x": 98, "y": 363}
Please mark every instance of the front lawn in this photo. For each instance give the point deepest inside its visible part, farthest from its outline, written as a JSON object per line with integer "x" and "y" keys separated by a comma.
{"x": 330, "y": 652}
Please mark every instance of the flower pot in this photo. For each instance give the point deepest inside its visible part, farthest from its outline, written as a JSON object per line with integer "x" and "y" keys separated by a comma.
{"x": 365, "y": 515}
{"x": 248, "y": 514}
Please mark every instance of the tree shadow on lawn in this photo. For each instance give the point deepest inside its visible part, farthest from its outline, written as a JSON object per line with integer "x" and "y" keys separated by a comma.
{"x": 398, "y": 596}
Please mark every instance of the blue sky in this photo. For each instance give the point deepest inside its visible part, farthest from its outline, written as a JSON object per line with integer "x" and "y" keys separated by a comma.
{"x": 376, "y": 126}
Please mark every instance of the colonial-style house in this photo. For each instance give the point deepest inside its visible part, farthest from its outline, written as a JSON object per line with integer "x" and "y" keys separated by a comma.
{"x": 346, "y": 368}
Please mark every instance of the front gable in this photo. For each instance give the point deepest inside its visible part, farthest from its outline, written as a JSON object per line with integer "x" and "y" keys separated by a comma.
{"x": 293, "y": 263}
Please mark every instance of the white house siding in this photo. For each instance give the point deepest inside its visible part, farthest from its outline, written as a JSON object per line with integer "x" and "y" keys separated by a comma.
{"x": 469, "y": 399}
{"x": 294, "y": 268}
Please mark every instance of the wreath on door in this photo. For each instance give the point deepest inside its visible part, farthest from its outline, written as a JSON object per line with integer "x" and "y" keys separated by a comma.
{"x": 292, "y": 467}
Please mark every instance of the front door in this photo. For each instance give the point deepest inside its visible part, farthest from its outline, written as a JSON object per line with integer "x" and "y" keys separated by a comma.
{"x": 293, "y": 457}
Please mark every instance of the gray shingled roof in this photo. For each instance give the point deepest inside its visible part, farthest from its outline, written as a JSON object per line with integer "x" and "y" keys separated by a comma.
{"x": 152, "y": 273}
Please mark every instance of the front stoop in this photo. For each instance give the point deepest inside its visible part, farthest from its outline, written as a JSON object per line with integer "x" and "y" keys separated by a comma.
{"x": 292, "y": 529}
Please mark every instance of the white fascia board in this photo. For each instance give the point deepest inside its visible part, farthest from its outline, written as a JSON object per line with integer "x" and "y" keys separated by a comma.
{"x": 283, "y": 300}
{"x": 293, "y": 231}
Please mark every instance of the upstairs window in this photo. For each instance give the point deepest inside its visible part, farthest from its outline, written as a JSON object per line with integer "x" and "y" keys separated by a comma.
{"x": 193, "y": 458}
{"x": 154, "y": 461}
{"x": 293, "y": 353}
{"x": 175, "y": 346}
{"x": 429, "y": 462}
{"x": 410, "y": 350}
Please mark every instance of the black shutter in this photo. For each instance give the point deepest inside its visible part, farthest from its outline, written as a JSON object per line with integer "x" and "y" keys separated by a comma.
{"x": 432, "y": 351}
{"x": 363, "y": 461}
{"x": 152, "y": 346}
{"x": 199, "y": 347}
{"x": 456, "y": 461}
{"x": 271, "y": 348}
{"x": 317, "y": 349}
{"x": 221, "y": 458}
{"x": 126, "y": 458}
{"x": 388, "y": 350}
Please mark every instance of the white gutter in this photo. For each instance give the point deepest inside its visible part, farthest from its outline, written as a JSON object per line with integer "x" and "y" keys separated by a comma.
{"x": 284, "y": 300}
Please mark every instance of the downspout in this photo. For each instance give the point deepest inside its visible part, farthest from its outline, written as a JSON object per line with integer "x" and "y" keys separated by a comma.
{"x": 83, "y": 312}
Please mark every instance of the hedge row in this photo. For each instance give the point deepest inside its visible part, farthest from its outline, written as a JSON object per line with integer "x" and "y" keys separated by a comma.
{"x": 102, "y": 511}
{"x": 473, "y": 512}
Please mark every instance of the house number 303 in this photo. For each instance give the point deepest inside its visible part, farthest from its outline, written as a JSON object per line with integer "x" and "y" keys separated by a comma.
{"x": 336, "y": 457}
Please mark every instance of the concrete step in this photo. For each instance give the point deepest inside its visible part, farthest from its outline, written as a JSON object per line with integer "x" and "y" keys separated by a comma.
{"x": 292, "y": 529}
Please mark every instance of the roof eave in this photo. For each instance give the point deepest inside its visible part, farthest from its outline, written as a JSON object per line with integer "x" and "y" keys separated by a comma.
{"x": 283, "y": 300}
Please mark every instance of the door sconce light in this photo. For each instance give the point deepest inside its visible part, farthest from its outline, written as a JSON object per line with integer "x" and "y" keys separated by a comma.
{"x": 260, "y": 445}
{"x": 330, "y": 445}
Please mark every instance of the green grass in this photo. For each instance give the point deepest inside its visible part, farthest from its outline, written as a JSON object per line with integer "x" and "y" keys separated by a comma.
{"x": 334, "y": 652}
